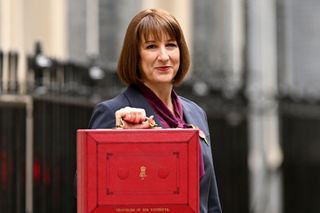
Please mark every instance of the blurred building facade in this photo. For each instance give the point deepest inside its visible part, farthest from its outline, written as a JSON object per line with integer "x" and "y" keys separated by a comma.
{"x": 254, "y": 70}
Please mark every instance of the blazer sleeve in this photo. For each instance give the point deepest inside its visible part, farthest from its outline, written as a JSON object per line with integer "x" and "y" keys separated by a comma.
{"x": 214, "y": 206}
{"x": 102, "y": 117}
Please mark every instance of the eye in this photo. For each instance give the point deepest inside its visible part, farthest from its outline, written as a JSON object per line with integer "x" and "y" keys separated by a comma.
{"x": 172, "y": 44}
{"x": 151, "y": 46}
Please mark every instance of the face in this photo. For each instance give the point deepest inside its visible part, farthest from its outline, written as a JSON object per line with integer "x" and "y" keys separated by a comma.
{"x": 159, "y": 60}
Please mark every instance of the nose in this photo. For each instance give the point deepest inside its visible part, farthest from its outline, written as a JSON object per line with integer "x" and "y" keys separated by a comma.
{"x": 163, "y": 54}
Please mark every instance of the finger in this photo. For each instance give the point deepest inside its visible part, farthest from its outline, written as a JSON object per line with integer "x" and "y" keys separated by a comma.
{"x": 119, "y": 114}
{"x": 140, "y": 126}
{"x": 143, "y": 125}
{"x": 135, "y": 115}
{"x": 140, "y": 115}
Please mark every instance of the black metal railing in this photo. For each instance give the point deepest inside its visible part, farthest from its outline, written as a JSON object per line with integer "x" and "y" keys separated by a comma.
{"x": 55, "y": 126}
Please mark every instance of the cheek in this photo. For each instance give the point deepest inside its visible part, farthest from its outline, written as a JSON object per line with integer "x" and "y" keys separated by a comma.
{"x": 177, "y": 56}
{"x": 143, "y": 65}
{"x": 143, "y": 61}
{"x": 146, "y": 59}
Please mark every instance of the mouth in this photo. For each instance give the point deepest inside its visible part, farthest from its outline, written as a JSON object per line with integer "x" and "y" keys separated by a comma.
{"x": 163, "y": 68}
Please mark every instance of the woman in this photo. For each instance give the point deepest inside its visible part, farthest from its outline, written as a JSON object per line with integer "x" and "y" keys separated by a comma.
{"x": 154, "y": 59}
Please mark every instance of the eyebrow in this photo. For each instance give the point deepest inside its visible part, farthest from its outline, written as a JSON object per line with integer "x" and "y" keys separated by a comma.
{"x": 150, "y": 41}
{"x": 153, "y": 41}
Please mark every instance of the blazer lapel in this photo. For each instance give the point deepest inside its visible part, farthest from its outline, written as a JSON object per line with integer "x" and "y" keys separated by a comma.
{"x": 188, "y": 115}
{"x": 197, "y": 122}
{"x": 193, "y": 118}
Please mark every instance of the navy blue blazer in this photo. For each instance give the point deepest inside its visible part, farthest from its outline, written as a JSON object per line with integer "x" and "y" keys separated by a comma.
{"x": 103, "y": 117}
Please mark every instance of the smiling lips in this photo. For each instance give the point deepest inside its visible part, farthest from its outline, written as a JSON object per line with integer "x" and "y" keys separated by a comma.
{"x": 163, "y": 68}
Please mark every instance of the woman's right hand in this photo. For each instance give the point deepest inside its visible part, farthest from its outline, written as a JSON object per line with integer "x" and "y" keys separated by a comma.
{"x": 133, "y": 118}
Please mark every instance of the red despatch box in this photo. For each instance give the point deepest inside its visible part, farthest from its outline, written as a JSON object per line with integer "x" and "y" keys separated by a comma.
{"x": 154, "y": 170}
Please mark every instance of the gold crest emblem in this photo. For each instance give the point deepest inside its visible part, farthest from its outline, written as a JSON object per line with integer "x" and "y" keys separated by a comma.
{"x": 143, "y": 172}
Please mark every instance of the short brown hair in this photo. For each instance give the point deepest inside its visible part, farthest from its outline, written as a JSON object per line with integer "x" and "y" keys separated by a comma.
{"x": 150, "y": 22}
